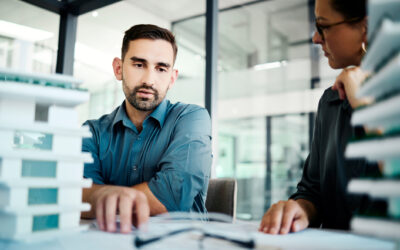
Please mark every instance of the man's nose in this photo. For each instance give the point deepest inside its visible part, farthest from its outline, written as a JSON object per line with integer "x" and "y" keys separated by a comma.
{"x": 148, "y": 78}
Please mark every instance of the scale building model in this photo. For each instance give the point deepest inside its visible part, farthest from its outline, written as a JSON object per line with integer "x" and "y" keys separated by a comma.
{"x": 41, "y": 163}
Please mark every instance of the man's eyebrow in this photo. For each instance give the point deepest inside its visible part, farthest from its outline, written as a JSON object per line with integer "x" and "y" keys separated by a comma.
{"x": 138, "y": 59}
{"x": 163, "y": 64}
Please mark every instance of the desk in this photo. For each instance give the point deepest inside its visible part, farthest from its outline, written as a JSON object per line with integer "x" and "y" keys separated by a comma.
{"x": 307, "y": 239}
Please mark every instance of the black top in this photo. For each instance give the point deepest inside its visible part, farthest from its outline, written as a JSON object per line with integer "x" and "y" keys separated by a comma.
{"x": 326, "y": 173}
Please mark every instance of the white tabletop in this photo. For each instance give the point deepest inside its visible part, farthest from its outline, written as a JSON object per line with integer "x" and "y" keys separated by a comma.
{"x": 307, "y": 239}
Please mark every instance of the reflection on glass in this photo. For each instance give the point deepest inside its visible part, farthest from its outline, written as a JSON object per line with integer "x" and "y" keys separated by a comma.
{"x": 226, "y": 156}
{"x": 190, "y": 61}
{"x": 34, "y": 37}
{"x": 32, "y": 140}
{"x": 242, "y": 147}
{"x": 6, "y": 50}
{"x": 264, "y": 54}
{"x": 32, "y": 168}
{"x": 1, "y": 165}
{"x": 45, "y": 222}
{"x": 38, "y": 196}
{"x": 289, "y": 150}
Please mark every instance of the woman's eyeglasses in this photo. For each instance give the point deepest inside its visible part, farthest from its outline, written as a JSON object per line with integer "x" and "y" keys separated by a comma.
{"x": 320, "y": 28}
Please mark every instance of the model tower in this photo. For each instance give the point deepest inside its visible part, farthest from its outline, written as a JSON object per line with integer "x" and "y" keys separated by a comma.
{"x": 41, "y": 163}
{"x": 381, "y": 119}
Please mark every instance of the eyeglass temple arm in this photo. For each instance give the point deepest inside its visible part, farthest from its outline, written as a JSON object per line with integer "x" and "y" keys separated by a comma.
{"x": 244, "y": 243}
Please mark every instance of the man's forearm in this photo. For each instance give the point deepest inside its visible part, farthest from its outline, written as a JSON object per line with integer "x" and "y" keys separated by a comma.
{"x": 156, "y": 207}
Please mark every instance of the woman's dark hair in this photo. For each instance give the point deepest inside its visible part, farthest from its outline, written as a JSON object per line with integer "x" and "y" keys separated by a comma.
{"x": 350, "y": 9}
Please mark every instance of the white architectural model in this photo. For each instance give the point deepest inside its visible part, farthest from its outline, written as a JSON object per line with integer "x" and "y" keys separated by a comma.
{"x": 41, "y": 163}
{"x": 382, "y": 60}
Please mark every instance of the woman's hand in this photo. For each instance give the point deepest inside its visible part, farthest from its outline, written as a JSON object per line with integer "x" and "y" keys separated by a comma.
{"x": 348, "y": 83}
{"x": 287, "y": 216}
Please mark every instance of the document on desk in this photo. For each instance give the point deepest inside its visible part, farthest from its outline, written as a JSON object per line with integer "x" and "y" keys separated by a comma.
{"x": 193, "y": 234}
{"x": 209, "y": 235}
{"x": 245, "y": 235}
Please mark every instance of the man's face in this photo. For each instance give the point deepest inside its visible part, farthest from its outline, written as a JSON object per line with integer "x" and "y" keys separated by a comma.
{"x": 146, "y": 72}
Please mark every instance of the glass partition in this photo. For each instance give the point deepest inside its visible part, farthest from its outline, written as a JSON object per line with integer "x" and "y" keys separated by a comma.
{"x": 28, "y": 37}
{"x": 265, "y": 77}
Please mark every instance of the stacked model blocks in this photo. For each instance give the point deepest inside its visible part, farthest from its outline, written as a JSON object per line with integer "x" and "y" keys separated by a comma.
{"x": 382, "y": 122}
{"x": 41, "y": 163}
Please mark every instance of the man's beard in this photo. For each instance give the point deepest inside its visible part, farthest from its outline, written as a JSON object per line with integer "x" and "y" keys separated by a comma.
{"x": 140, "y": 103}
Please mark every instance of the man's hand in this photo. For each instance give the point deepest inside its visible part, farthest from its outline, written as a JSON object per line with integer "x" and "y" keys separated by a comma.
{"x": 131, "y": 204}
{"x": 348, "y": 83}
{"x": 287, "y": 216}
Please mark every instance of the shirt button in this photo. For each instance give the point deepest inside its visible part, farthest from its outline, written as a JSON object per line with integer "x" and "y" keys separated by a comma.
{"x": 134, "y": 168}
{"x": 139, "y": 138}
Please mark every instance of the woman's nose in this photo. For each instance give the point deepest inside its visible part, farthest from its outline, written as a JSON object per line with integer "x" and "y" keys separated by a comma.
{"x": 317, "y": 39}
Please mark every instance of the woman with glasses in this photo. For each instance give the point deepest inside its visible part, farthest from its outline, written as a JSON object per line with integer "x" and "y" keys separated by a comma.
{"x": 321, "y": 198}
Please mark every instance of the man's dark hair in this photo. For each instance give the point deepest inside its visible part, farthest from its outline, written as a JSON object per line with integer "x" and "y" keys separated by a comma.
{"x": 351, "y": 9}
{"x": 147, "y": 31}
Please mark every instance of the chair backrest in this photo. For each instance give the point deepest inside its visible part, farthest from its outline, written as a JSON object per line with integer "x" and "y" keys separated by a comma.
{"x": 221, "y": 196}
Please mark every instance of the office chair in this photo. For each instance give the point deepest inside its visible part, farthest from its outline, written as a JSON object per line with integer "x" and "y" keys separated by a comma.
{"x": 221, "y": 196}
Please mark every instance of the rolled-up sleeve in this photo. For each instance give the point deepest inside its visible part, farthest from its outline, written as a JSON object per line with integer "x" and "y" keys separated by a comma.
{"x": 92, "y": 170}
{"x": 186, "y": 164}
{"x": 309, "y": 186}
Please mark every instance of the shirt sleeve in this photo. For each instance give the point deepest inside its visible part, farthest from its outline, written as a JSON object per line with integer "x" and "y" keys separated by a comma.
{"x": 90, "y": 144}
{"x": 309, "y": 186}
{"x": 186, "y": 164}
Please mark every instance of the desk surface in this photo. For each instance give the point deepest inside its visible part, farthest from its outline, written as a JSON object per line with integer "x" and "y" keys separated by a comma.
{"x": 307, "y": 239}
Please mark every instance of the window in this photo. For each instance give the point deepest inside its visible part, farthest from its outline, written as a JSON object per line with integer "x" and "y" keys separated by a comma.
{"x": 32, "y": 140}
{"x": 28, "y": 43}
{"x": 265, "y": 72}
{"x": 45, "y": 222}
{"x": 33, "y": 168}
{"x": 39, "y": 196}
{"x": 41, "y": 113}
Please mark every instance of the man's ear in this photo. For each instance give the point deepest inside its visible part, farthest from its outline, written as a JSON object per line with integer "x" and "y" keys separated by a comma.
{"x": 117, "y": 67}
{"x": 174, "y": 76}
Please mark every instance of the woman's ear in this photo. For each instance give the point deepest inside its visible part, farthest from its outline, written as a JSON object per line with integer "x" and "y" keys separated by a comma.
{"x": 365, "y": 30}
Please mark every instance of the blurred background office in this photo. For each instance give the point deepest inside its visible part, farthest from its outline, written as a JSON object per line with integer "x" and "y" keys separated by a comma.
{"x": 269, "y": 75}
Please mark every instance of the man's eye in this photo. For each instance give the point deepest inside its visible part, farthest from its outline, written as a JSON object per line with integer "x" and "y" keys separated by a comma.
{"x": 162, "y": 70}
{"x": 138, "y": 65}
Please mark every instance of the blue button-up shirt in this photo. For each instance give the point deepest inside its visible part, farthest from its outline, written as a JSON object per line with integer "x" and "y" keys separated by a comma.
{"x": 172, "y": 153}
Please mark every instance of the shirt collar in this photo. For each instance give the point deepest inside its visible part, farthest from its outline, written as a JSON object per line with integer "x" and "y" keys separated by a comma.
{"x": 158, "y": 114}
{"x": 122, "y": 116}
